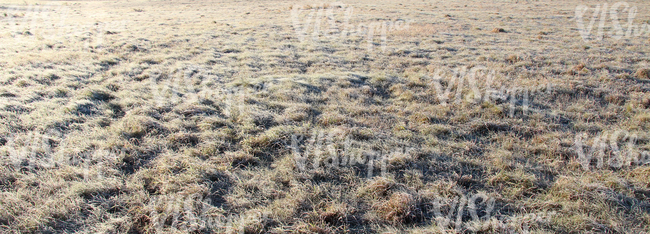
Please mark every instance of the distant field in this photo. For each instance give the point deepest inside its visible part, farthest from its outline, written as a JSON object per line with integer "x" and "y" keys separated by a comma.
{"x": 324, "y": 117}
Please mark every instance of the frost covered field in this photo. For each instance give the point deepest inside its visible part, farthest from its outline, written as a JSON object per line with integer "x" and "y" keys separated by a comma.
{"x": 324, "y": 117}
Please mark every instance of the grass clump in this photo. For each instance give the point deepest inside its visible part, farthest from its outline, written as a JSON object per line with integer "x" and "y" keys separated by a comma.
{"x": 134, "y": 126}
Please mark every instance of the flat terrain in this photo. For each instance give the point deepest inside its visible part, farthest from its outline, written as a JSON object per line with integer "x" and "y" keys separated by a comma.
{"x": 313, "y": 117}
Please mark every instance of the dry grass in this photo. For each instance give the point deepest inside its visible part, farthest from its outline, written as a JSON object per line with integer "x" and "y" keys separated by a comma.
{"x": 642, "y": 73}
{"x": 398, "y": 209}
{"x": 143, "y": 117}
